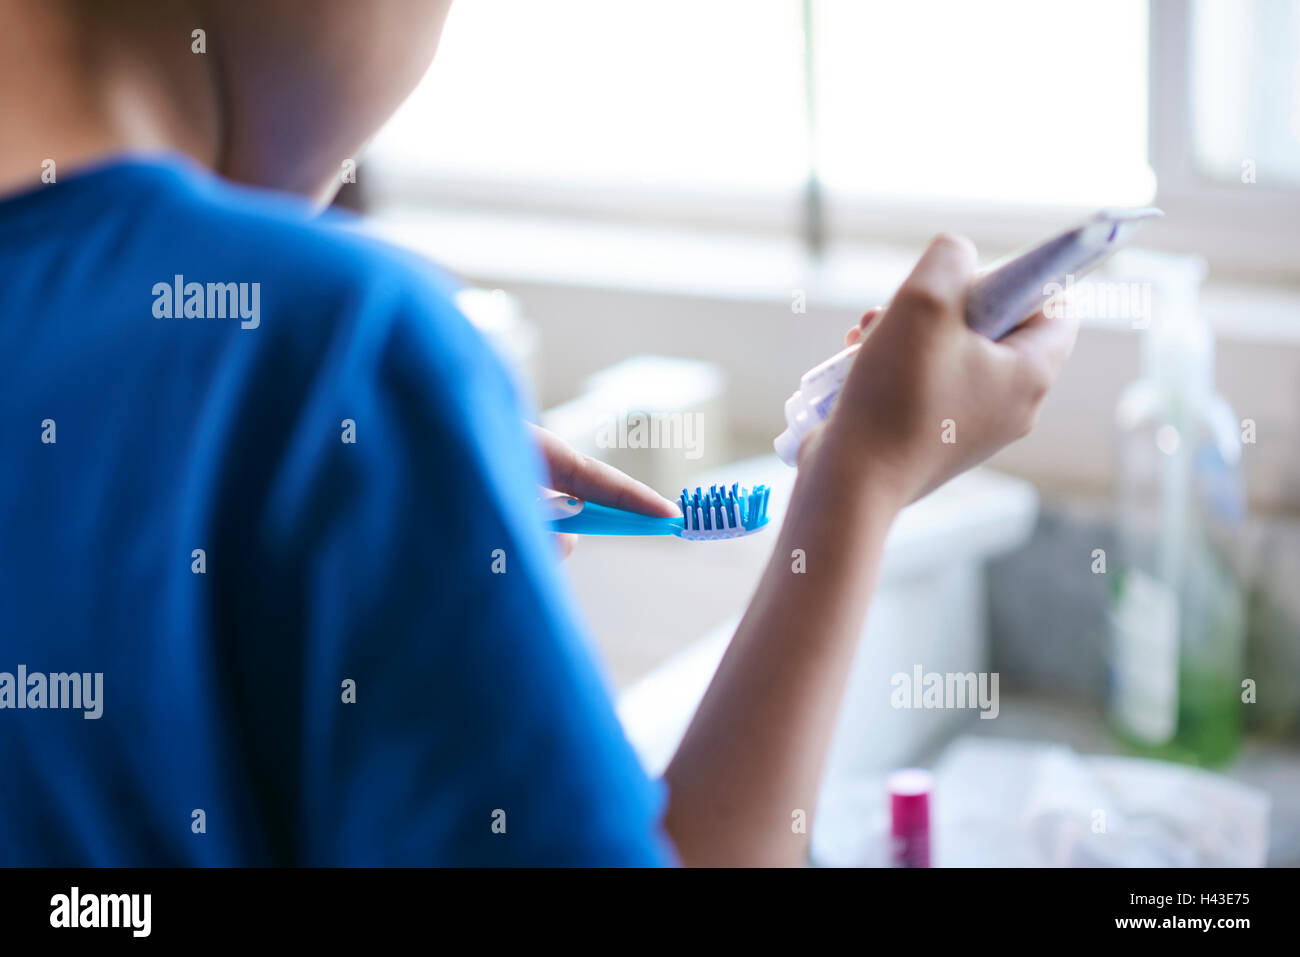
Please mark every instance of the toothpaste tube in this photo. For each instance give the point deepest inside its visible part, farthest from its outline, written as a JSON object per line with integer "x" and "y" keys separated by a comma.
{"x": 1000, "y": 298}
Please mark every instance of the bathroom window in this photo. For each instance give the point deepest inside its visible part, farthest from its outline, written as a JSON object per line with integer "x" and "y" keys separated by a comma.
{"x": 1246, "y": 90}
{"x": 1015, "y": 102}
{"x": 623, "y": 106}
{"x": 878, "y": 120}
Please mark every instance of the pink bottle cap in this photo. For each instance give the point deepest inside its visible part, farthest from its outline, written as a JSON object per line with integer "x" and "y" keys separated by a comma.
{"x": 909, "y": 811}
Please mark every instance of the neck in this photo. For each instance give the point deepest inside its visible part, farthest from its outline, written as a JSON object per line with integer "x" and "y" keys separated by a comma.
{"x": 82, "y": 83}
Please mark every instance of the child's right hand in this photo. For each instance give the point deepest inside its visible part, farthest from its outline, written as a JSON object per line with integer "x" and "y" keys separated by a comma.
{"x": 927, "y": 397}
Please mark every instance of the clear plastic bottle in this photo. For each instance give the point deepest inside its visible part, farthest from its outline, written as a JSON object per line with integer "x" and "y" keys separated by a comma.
{"x": 1177, "y": 607}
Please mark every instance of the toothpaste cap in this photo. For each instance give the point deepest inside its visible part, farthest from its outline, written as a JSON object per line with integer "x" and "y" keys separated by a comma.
{"x": 787, "y": 447}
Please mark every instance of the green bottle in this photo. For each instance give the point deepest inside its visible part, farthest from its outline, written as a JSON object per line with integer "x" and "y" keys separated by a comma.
{"x": 1177, "y": 609}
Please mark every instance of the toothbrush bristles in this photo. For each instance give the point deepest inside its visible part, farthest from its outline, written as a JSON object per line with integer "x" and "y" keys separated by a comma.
{"x": 723, "y": 512}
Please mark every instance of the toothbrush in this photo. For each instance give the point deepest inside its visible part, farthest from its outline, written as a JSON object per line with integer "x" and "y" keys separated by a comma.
{"x": 1000, "y": 298}
{"x": 711, "y": 515}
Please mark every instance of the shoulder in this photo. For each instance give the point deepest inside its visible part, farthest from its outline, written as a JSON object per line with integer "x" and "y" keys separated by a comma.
{"x": 353, "y": 339}
{"x": 323, "y": 282}
{"x": 340, "y": 313}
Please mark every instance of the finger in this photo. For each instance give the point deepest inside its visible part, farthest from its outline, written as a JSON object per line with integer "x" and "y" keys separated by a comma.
{"x": 855, "y": 334}
{"x": 565, "y": 543}
{"x": 940, "y": 277}
{"x": 584, "y": 477}
{"x": 1042, "y": 344}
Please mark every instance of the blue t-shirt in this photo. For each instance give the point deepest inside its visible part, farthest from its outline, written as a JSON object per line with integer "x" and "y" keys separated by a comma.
{"x": 272, "y": 587}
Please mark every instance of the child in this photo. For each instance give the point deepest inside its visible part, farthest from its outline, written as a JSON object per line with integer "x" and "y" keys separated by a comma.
{"x": 270, "y": 499}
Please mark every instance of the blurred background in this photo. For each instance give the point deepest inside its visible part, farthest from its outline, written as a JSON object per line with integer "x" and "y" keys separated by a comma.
{"x": 669, "y": 211}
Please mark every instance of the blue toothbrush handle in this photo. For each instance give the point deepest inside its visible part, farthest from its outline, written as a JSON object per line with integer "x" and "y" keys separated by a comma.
{"x": 567, "y": 514}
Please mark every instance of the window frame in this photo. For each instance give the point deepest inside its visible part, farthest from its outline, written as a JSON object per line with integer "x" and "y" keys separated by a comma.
{"x": 1242, "y": 228}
